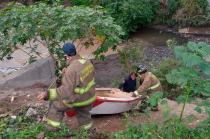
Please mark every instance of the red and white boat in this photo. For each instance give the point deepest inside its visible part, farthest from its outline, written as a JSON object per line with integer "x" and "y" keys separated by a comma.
{"x": 111, "y": 102}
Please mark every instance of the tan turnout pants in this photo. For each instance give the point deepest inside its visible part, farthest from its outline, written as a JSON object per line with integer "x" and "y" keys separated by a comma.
{"x": 57, "y": 110}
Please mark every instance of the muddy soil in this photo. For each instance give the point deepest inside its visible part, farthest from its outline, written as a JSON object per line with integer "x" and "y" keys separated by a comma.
{"x": 12, "y": 101}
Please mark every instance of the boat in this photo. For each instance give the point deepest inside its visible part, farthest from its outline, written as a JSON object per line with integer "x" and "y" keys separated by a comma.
{"x": 110, "y": 101}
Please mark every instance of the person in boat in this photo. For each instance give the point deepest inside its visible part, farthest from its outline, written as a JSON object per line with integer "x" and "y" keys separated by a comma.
{"x": 129, "y": 83}
{"x": 76, "y": 91}
{"x": 149, "y": 84}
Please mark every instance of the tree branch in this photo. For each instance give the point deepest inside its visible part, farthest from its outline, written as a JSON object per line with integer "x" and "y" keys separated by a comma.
{"x": 36, "y": 51}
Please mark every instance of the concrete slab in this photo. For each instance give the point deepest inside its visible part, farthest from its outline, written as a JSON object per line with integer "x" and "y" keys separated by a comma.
{"x": 38, "y": 73}
{"x": 20, "y": 57}
{"x": 18, "y": 73}
{"x": 195, "y": 30}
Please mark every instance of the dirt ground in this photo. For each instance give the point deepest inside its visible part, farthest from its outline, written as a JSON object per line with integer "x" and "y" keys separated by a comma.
{"x": 13, "y": 101}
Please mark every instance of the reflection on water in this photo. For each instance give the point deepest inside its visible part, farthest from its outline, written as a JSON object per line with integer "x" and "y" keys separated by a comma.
{"x": 156, "y": 37}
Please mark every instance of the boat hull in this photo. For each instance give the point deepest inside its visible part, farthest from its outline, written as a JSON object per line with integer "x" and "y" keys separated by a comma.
{"x": 108, "y": 102}
{"x": 112, "y": 105}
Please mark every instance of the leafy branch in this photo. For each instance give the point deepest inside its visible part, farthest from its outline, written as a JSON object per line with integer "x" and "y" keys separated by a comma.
{"x": 194, "y": 71}
{"x": 53, "y": 25}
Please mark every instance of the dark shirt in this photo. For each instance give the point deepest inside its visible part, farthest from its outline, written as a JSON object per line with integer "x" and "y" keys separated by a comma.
{"x": 129, "y": 85}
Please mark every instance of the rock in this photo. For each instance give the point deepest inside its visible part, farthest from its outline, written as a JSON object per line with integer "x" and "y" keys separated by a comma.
{"x": 207, "y": 59}
{"x": 31, "y": 112}
{"x": 12, "y": 99}
{"x": 39, "y": 118}
{"x": 40, "y": 135}
{"x": 13, "y": 116}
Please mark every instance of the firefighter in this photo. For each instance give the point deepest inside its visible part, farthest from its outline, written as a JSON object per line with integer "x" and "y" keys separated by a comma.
{"x": 149, "y": 84}
{"x": 76, "y": 91}
{"x": 129, "y": 83}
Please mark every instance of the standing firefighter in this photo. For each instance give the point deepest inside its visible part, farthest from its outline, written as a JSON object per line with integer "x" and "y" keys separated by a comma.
{"x": 149, "y": 85}
{"x": 76, "y": 91}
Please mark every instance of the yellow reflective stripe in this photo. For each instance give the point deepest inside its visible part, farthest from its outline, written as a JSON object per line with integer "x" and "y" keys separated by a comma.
{"x": 82, "y": 61}
{"x": 86, "y": 72}
{"x": 82, "y": 103}
{"x": 84, "y": 90}
{"x": 87, "y": 126}
{"x": 155, "y": 86}
{"x": 53, "y": 94}
{"x": 53, "y": 123}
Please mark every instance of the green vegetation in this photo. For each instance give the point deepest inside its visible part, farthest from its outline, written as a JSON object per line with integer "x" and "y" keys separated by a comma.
{"x": 22, "y": 127}
{"x": 133, "y": 13}
{"x": 171, "y": 129}
{"x": 171, "y": 91}
{"x": 129, "y": 14}
{"x": 53, "y": 25}
{"x": 128, "y": 57}
{"x": 193, "y": 70}
{"x": 84, "y": 2}
{"x": 187, "y": 67}
{"x": 185, "y": 13}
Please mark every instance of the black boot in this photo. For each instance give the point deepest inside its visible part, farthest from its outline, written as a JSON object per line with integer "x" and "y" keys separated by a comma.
{"x": 154, "y": 108}
{"x": 143, "y": 106}
{"x": 92, "y": 133}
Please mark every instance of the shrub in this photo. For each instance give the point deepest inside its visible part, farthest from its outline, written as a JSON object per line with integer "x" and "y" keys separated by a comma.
{"x": 128, "y": 57}
{"x": 192, "y": 13}
{"x": 193, "y": 71}
{"x": 195, "y": 7}
{"x": 171, "y": 129}
{"x": 172, "y": 6}
{"x": 184, "y": 13}
{"x": 83, "y": 2}
{"x": 23, "y": 24}
{"x": 130, "y": 14}
{"x": 171, "y": 91}
{"x": 203, "y": 4}
{"x": 133, "y": 13}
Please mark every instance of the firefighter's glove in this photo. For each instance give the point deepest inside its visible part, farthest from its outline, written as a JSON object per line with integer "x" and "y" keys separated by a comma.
{"x": 135, "y": 94}
{"x": 42, "y": 96}
{"x": 149, "y": 91}
{"x": 144, "y": 97}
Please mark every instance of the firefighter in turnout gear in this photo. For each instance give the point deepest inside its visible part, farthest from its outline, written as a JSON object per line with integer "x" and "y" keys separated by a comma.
{"x": 149, "y": 84}
{"x": 76, "y": 91}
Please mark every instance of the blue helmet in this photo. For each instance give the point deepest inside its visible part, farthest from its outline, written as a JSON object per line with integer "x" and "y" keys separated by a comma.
{"x": 69, "y": 49}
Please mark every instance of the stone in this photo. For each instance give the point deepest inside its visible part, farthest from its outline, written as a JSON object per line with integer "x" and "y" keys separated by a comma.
{"x": 207, "y": 59}
{"x": 31, "y": 112}
{"x": 40, "y": 135}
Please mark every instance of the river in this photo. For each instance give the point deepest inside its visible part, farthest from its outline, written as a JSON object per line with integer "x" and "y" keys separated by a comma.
{"x": 152, "y": 44}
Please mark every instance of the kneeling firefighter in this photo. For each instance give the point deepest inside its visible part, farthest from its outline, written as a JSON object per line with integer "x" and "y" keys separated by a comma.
{"x": 76, "y": 91}
{"x": 149, "y": 84}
